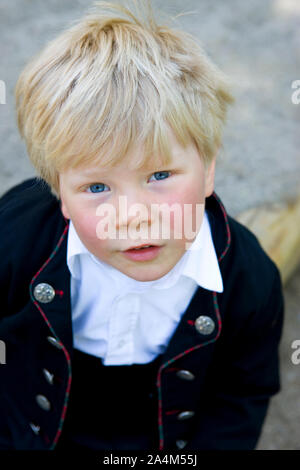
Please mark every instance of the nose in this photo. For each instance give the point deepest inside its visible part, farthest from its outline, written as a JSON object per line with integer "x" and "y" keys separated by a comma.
{"x": 133, "y": 211}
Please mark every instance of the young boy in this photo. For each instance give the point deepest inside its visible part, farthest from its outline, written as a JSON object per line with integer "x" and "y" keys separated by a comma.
{"x": 110, "y": 345}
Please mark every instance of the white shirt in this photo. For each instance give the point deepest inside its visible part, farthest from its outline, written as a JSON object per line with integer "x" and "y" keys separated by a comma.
{"x": 124, "y": 321}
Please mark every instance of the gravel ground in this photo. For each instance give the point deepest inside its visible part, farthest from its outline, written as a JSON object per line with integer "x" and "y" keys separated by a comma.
{"x": 281, "y": 430}
{"x": 258, "y": 45}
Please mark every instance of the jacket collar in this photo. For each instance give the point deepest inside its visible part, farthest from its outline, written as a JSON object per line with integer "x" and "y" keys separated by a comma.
{"x": 219, "y": 224}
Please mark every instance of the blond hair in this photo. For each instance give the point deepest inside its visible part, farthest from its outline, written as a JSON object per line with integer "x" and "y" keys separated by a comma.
{"x": 109, "y": 83}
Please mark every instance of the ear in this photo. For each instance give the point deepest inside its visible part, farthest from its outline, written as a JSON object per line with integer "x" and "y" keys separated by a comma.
{"x": 63, "y": 206}
{"x": 64, "y": 210}
{"x": 210, "y": 178}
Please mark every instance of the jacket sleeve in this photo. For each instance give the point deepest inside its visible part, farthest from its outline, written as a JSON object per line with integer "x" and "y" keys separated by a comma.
{"x": 8, "y": 240}
{"x": 9, "y": 215}
{"x": 242, "y": 380}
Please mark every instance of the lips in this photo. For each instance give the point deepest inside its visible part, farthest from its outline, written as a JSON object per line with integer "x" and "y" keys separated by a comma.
{"x": 142, "y": 253}
{"x": 149, "y": 245}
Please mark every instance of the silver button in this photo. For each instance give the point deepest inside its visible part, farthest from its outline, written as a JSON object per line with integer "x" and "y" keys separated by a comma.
{"x": 204, "y": 325}
{"x": 44, "y": 293}
{"x": 180, "y": 443}
{"x": 185, "y": 415}
{"x": 49, "y": 377}
{"x": 185, "y": 374}
{"x": 43, "y": 402}
{"x": 36, "y": 429}
{"x": 54, "y": 342}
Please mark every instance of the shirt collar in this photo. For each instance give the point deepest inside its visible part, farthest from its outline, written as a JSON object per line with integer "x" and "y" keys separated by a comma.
{"x": 199, "y": 263}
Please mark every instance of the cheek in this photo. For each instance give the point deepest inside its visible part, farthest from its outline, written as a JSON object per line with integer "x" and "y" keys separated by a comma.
{"x": 191, "y": 200}
{"x": 85, "y": 224}
{"x": 192, "y": 192}
{"x": 86, "y": 227}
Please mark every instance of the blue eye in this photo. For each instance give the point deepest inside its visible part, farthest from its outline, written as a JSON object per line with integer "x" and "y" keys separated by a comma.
{"x": 162, "y": 174}
{"x": 97, "y": 187}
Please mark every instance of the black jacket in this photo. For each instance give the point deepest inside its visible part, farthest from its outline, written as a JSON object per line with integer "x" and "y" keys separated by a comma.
{"x": 235, "y": 367}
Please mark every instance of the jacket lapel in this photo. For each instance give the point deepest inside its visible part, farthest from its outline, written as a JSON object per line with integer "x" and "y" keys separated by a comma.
{"x": 57, "y": 312}
{"x": 190, "y": 333}
{"x": 203, "y": 307}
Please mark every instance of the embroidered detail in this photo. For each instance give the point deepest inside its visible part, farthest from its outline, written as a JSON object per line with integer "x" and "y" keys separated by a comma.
{"x": 54, "y": 334}
{"x": 59, "y": 292}
{"x": 172, "y": 369}
{"x": 172, "y": 412}
{"x": 227, "y": 226}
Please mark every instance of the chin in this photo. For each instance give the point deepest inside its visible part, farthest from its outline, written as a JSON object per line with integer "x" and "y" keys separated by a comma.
{"x": 147, "y": 276}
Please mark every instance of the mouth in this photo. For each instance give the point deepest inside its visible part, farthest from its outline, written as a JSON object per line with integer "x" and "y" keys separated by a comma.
{"x": 143, "y": 252}
{"x": 141, "y": 247}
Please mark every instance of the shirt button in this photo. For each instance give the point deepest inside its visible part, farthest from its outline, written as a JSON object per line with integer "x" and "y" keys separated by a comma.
{"x": 185, "y": 375}
{"x": 36, "y": 429}
{"x": 204, "y": 325}
{"x": 54, "y": 342}
{"x": 44, "y": 293}
{"x": 180, "y": 443}
{"x": 185, "y": 415}
{"x": 48, "y": 376}
{"x": 43, "y": 402}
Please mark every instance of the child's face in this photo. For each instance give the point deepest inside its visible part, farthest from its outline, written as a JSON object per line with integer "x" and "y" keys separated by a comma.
{"x": 183, "y": 182}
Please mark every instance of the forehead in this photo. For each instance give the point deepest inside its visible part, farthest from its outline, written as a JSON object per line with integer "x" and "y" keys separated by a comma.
{"x": 178, "y": 158}
{"x": 141, "y": 157}
{"x": 136, "y": 161}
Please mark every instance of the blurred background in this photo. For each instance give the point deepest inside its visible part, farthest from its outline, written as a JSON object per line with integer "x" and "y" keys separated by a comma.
{"x": 257, "y": 44}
